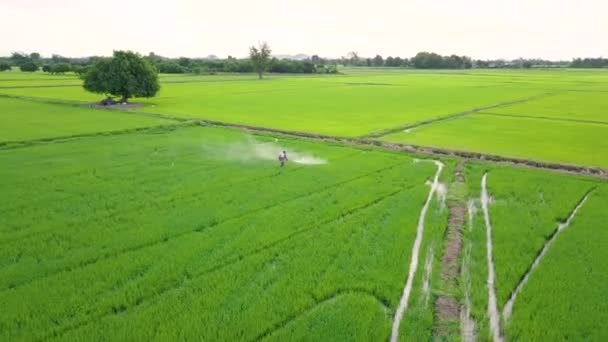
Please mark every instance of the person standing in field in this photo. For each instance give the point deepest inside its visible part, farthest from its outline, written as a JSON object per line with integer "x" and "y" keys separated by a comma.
{"x": 283, "y": 158}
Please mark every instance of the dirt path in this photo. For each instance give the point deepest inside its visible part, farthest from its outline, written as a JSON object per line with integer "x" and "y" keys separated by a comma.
{"x": 560, "y": 227}
{"x": 415, "y": 255}
{"x": 447, "y": 308}
{"x": 492, "y": 302}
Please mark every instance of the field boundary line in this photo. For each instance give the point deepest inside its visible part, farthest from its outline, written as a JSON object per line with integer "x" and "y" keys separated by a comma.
{"x": 198, "y": 229}
{"x": 41, "y": 86}
{"x": 231, "y": 261}
{"x": 561, "y": 226}
{"x": 592, "y": 171}
{"x": 310, "y": 308}
{"x": 548, "y": 118}
{"x": 403, "y": 302}
{"x": 417, "y": 124}
{"x": 493, "y": 313}
{"x": 14, "y": 144}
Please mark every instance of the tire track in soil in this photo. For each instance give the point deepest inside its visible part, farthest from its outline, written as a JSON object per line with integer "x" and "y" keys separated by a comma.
{"x": 230, "y": 261}
{"x": 414, "y": 257}
{"x": 493, "y": 313}
{"x": 508, "y": 308}
{"x": 447, "y": 308}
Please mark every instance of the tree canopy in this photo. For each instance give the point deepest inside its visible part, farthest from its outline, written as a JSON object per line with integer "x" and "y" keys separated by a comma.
{"x": 4, "y": 66}
{"x": 28, "y": 66}
{"x": 126, "y": 74}
{"x": 260, "y": 58}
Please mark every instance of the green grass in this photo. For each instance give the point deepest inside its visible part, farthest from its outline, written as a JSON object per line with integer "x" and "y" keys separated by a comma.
{"x": 179, "y": 234}
{"x": 25, "y": 120}
{"x": 524, "y": 138}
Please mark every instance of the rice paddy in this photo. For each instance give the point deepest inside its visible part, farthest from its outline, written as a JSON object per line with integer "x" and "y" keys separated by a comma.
{"x": 151, "y": 222}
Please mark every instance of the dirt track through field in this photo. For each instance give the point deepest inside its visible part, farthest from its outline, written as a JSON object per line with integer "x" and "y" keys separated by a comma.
{"x": 493, "y": 313}
{"x": 447, "y": 308}
{"x": 414, "y": 257}
{"x": 508, "y": 309}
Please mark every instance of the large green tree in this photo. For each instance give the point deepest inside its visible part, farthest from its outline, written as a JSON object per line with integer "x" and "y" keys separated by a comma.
{"x": 260, "y": 58}
{"x": 125, "y": 74}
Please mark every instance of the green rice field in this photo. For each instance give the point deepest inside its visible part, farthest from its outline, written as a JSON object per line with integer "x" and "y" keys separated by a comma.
{"x": 166, "y": 220}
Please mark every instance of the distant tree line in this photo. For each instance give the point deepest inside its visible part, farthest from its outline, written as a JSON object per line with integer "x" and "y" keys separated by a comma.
{"x": 430, "y": 60}
{"x": 590, "y": 63}
{"x": 199, "y": 66}
{"x": 57, "y": 64}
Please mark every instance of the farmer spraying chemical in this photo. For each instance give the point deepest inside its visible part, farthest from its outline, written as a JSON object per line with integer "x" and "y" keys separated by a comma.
{"x": 283, "y": 158}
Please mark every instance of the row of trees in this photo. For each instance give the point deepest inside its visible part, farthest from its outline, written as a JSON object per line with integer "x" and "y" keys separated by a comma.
{"x": 424, "y": 60}
{"x": 234, "y": 65}
{"x": 590, "y": 63}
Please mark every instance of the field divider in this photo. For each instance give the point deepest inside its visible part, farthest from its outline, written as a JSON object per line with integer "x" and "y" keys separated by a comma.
{"x": 195, "y": 195}
{"x": 493, "y": 313}
{"x": 231, "y": 261}
{"x": 403, "y": 303}
{"x": 309, "y": 308}
{"x": 198, "y": 229}
{"x": 549, "y": 118}
{"x": 455, "y": 115}
{"x": 14, "y": 144}
{"x": 561, "y": 226}
{"x": 592, "y": 171}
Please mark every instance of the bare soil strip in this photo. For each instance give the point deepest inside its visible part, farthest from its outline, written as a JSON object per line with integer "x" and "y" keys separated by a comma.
{"x": 447, "y": 308}
{"x": 493, "y": 313}
{"x": 508, "y": 309}
{"x": 414, "y": 259}
{"x": 453, "y": 116}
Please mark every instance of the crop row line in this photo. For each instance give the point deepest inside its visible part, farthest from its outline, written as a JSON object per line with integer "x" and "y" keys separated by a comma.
{"x": 314, "y": 305}
{"x": 549, "y": 118}
{"x": 403, "y": 302}
{"x": 455, "y": 115}
{"x": 191, "y": 197}
{"x": 198, "y": 229}
{"x": 230, "y": 261}
{"x": 508, "y": 308}
{"x": 8, "y": 145}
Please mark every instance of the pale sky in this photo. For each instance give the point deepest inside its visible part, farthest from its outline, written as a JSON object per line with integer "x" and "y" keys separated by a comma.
{"x": 554, "y": 29}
